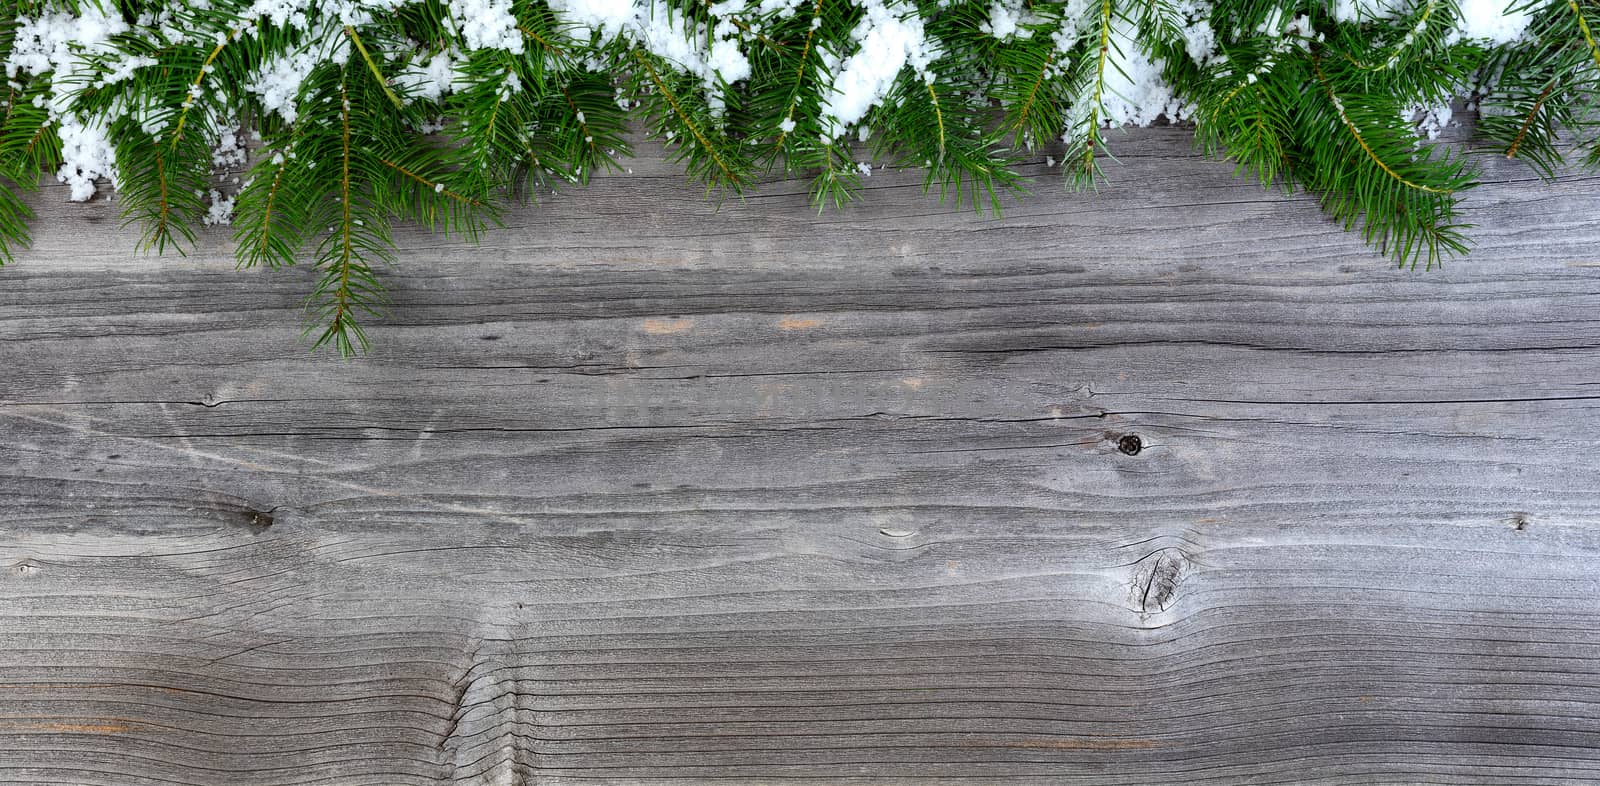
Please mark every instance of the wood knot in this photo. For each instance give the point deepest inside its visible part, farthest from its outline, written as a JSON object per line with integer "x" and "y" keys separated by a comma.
{"x": 257, "y": 521}
{"x": 1130, "y": 444}
{"x": 1156, "y": 578}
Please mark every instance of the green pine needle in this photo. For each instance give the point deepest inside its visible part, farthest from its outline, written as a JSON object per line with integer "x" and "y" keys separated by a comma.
{"x": 435, "y": 114}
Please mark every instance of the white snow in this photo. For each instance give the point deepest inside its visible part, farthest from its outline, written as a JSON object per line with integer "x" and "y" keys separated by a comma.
{"x": 282, "y": 13}
{"x": 1430, "y": 120}
{"x": 1367, "y": 10}
{"x": 887, "y": 42}
{"x": 1002, "y": 19}
{"x": 1071, "y": 30}
{"x": 1135, "y": 92}
{"x": 510, "y": 85}
{"x": 51, "y": 43}
{"x": 610, "y": 17}
{"x": 124, "y": 70}
{"x": 487, "y": 24}
{"x": 1200, "y": 39}
{"x": 664, "y": 33}
{"x": 783, "y": 9}
{"x": 277, "y": 84}
{"x": 226, "y": 150}
{"x": 1492, "y": 21}
{"x": 220, "y": 212}
{"x": 1006, "y": 19}
{"x": 428, "y": 80}
{"x": 726, "y": 61}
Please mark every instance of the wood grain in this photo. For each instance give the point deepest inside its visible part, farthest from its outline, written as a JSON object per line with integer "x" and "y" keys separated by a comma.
{"x": 642, "y": 491}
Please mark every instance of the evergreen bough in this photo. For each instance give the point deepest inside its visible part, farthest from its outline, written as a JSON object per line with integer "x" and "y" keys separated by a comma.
{"x": 363, "y": 113}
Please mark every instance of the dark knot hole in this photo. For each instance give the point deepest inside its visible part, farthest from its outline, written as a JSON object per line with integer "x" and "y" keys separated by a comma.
{"x": 1130, "y": 444}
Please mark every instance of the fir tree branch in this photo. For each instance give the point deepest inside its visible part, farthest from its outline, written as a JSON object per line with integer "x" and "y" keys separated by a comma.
{"x": 1253, "y": 133}
{"x": 723, "y": 174}
{"x": 583, "y": 123}
{"x": 194, "y": 90}
{"x": 1355, "y": 133}
{"x": 20, "y": 162}
{"x": 743, "y": 26}
{"x": 1289, "y": 91}
{"x": 433, "y": 185}
{"x": 1393, "y": 57}
{"x": 341, "y": 262}
{"x": 800, "y": 71}
{"x": 832, "y": 182}
{"x": 1243, "y": 83}
{"x": 1102, "y": 57}
{"x": 33, "y": 141}
{"x": 1527, "y": 122}
{"x": 1588, "y": 35}
{"x": 1088, "y": 91}
{"x": 1019, "y": 121}
{"x": 541, "y": 40}
{"x": 1544, "y": 83}
{"x": 150, "y": 196}
{"x": 951, "y": 138}
{"x": 372, "y": 66}
{"x": 162, "y": 217}
{"x": 346, "y": 256}
{"x": 256, "y": 252}
{"x": 491, "y": 126}
{"x": 14, "y": 216}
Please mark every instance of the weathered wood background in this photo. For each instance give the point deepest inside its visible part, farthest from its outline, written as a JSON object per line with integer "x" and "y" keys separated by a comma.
{"x": 639, "y": 491}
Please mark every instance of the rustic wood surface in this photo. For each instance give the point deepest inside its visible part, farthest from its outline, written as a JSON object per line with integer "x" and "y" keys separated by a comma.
{"x": 642, "y": 491}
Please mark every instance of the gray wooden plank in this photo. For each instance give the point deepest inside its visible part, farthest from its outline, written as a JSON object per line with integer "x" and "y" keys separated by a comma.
{"x": 647, "y": 491}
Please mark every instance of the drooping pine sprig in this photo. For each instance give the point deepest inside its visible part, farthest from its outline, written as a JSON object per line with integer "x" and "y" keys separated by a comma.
{"x": 1548, "y": 85}
{"x": 363, "y": 114}
{"x": 1361, "y": 158}
{"x": 28, "y": 139}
